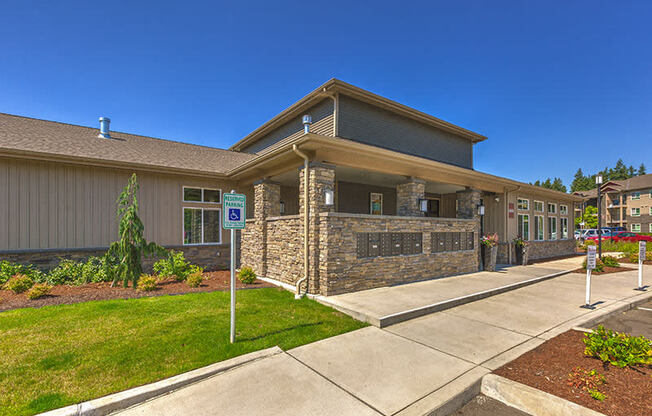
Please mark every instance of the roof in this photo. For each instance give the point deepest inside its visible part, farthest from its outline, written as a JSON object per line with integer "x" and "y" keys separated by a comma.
{"x": 333, "y": 86}
{"x": 591, "y": 193}
{"x": 29, "y": 136}
{"x": 631, "y": 184}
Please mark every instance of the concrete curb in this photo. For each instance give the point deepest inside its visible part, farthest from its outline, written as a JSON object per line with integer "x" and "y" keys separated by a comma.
{"x": 124, "y": 399}
{"x": 529, "y": 399}
{"x": 395, "y": 318}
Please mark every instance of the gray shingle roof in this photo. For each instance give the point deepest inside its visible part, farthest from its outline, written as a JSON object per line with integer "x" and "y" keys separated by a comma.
{"x": 33, "y": 135}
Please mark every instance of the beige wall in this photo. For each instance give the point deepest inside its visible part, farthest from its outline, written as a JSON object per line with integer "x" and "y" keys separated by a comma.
{"x": 512, "y": 223}
{"x": 46, "y": 205}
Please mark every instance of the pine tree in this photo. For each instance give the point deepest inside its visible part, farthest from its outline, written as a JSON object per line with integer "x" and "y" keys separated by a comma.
{"x": 641, "y": 170}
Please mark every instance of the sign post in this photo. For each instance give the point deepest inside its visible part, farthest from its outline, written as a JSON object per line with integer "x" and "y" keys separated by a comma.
{"x": 590, "y": 265}
{"x": 641, "y": 259}
{"x": 233, "y": 219}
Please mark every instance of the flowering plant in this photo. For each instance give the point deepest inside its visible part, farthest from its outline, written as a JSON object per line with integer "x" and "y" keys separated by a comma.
{"x": 490, "y": 240}
{"x": 519, "y": 242}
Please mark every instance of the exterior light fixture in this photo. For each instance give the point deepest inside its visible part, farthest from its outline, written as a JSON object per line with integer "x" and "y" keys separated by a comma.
{"x": 423, "y": 205}
{"x": 329, "y": 198}
{"x": 480, "y": 209}
{"x": 598, "y": 180}
{"x": 282, "y": 208}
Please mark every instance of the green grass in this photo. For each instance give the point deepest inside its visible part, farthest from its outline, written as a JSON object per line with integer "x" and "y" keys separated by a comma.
{"x": 59, "y": 355}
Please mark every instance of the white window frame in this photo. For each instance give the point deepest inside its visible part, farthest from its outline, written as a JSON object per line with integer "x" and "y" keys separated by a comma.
{"x": 650, "y": 210}
{"x": 535, "y": 206}
{"x": 520, "y": 232}
{"x": 636, "y": 231}
{"x": 518, "y": 204}
{"x": 563, "y": 209}
{"x": 371, "y": 205}
{"x": 564, "y": 228}
{"x": 183, "y": 195}
{"x": 542, "y": 228}
{"x": 552, "y": 204}
{"x": 552, "y": 237}
{"x": 635, "y": 196}
{"x": 651, "y": 227}
{"x": 202, "y": 209}
{"x": 637, "y": 214}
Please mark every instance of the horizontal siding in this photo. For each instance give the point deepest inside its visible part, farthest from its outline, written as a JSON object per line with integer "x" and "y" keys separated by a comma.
{"x": 48, "y": 205}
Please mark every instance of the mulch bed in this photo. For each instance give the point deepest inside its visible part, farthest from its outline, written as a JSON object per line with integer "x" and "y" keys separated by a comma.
{"x": 214, "y": 281}
{"x": 607, "y": 270}
{"x": 547, "y": 368}
{"x": 626, "y": 260}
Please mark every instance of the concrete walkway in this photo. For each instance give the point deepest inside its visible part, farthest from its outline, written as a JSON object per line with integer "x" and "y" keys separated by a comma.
{"x": 432, "y": 362}
{"x": 389, "y": 305}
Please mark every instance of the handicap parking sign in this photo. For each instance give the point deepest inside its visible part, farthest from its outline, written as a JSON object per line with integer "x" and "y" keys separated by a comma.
{"x": 234, "y": 211}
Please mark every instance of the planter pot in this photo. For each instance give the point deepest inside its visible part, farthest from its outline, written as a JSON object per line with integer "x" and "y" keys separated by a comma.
{"x": 489, "y": 255}
{"x": 521, "y": 255}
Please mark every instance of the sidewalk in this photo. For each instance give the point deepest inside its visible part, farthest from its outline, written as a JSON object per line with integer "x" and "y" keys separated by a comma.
{"x": 407, "y": 369}
{"x": 386, "y": 306}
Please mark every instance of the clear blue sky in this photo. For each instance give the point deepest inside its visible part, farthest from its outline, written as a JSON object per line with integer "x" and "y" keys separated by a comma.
{"x": 549, "y": 83}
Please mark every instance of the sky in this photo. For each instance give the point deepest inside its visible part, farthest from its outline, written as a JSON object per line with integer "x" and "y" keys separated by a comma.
{"x": 555, "y": 86}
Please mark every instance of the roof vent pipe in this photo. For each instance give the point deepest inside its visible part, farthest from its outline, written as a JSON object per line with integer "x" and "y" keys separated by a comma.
{"x": 307, "y": 121}
{"x": 104, "y": 128}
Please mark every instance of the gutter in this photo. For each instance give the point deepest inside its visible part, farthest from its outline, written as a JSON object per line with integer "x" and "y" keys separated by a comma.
{"x": 306, "y": 177}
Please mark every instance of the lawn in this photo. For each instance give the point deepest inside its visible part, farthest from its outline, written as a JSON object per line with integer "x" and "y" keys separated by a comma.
{"x": 59, "y": 355}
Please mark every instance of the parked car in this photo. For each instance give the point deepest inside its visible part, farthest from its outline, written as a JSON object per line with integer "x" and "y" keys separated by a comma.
{"x": 578, "y": 234}
{"x": 591, "y": 232}
{"x": 622, "y": 236}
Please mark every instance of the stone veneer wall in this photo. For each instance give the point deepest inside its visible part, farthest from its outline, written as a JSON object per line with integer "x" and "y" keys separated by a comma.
{"x": 285, "y": 249}
{"x": 211, "y": 257}
{"x": 545, "y": 249}
{"x": 340, "y": 270}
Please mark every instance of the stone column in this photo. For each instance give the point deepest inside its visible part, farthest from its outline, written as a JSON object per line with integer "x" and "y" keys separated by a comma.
{"x": 267, "y": 198}
{"x": 467, "y": 207}
{"x": 408, "y": 195}
{"x": 320, "y": 179}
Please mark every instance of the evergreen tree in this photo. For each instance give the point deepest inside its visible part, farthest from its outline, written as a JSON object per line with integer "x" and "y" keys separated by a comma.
{"x": 558, "y": 185}
{"x": 641, "y": 170}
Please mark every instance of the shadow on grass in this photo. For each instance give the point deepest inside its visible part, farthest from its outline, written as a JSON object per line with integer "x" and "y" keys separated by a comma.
{"x": 280, "y": 331}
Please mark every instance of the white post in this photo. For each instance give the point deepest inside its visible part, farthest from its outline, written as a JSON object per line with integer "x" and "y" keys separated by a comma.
{"x": 641, "y": 259}
{"x": 640, "y": 273}
{"x": 232, "y": 283}
{"x": 588, "y": 288}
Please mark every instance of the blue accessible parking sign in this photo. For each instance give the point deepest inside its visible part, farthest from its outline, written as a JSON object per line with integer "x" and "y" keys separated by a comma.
{"x": 234, "y": 211}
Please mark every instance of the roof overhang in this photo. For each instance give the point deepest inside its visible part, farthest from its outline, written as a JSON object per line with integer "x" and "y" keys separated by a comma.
{"x": 334, "y": 86}
{"x": 344, "y": 152}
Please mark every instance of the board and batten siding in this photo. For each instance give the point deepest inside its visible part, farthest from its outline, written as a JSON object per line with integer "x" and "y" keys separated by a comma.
{"x": 47, "y": 205}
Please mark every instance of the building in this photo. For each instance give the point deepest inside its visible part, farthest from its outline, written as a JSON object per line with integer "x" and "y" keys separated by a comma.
{"x": 391, "y": 194}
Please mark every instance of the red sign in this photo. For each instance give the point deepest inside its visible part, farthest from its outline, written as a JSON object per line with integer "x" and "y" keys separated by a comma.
{"x": 511, "y": 210}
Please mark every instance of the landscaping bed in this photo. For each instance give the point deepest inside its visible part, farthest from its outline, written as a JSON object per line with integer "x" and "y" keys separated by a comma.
{"x": 607, "y": 270}
{"x": 59, "y": 355}
{"x": 549, "y": 366}
{"x": 65, "y": 294}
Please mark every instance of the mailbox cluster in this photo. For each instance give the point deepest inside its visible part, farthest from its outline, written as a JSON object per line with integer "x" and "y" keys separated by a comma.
{"x": 451, "y": 241}
{"x": 389, "y": 244}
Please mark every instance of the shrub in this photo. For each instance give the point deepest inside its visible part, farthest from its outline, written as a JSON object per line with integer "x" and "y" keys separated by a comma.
{"x": 19, "y": 283}
{"x": 589, "y": 243}
{"x": 619, "y": 349}
{"x": 147, "y": 283}
{"x": 9, "y": 269}
{"x": 68, "y": 272}
{"x": 174, "y": 265}
{"x": 599, "y": 265}
{"x": 39, "y": 290}
{"x": 195, "y": 279}
{"x": 247, "y": 275}
{"x": 610, "y": 261}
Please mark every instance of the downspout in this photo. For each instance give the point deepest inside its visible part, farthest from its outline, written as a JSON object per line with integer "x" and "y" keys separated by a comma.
{"x": 306, "y": 176}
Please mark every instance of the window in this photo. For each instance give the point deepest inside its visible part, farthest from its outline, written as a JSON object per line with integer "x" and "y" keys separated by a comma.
{"x": 538, "y": 206}
{"x": 564, "y": 227}
{"x": 552, "y": 228}
{"x": 524, "y": 226}
{"x": 552, "y": 208}
{"x": 636, "y": 228}
{"x": 636, "y": 195}
{"x": 538, "y": 227}
{"x": 375, "y": 203}
{"x": 651, "y": 227}
{"x": 523, "y": 204}
{"x": 563, "y": 210}
{"x": 201, "y": 226}
{"x": 209, "y": 196}
{"x": 636, "y": 212}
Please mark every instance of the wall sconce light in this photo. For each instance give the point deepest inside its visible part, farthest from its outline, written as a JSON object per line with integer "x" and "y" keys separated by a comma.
{"x": 329, "y": 197}
{"x": 497, "y": 199}
{"x": 423, "y": 205}
{"x": 480, "y": 209}
{"x": 282, "y": 208}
